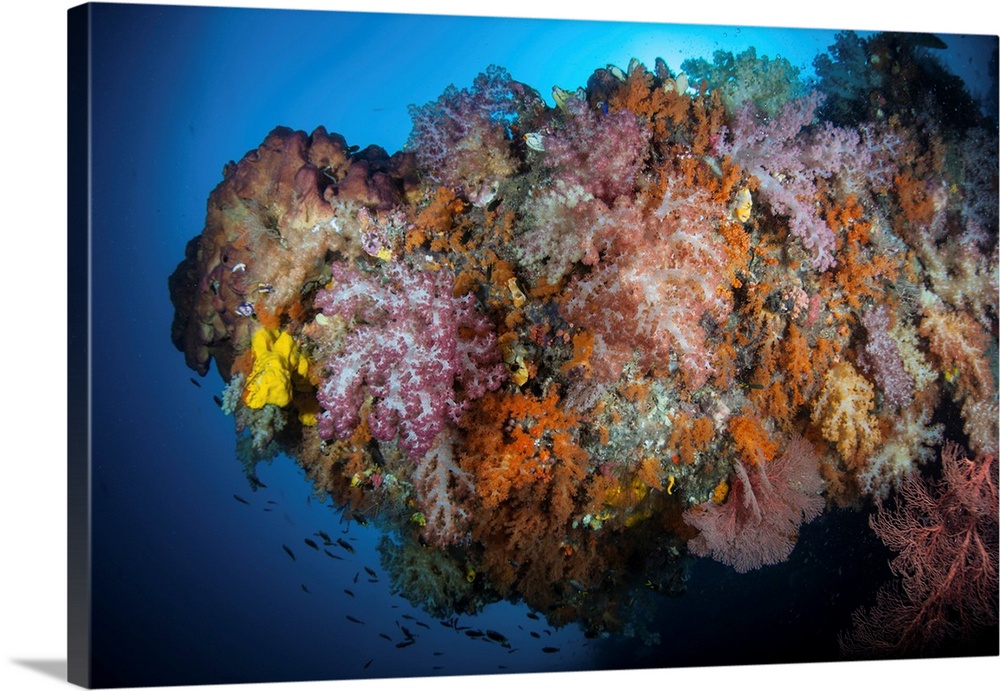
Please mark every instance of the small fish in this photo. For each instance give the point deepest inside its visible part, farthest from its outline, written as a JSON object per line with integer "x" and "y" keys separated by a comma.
{"x": 437, "y": 667}
{"x": 326, "y": 538}
{"x": 386, "y": 637}
{"x": 474, "y": 633}
{"x": 311, "y": 544}
{"x": 438, "y": 653}
{"x": 304, "y": 588}
{"x": 354, "y": 620}
{"x": 420, "y": 623}
{"x": 241, "y": 499}
{"x": 532, "y": 615}
{"x": 289, "y": 551}
{"x": 496, "y": 636}
{"x": 550, "y": 649}
{"x": 534, "y": 634}
{"x": 406, "y": 632}
{"x": 371, "y": 573}
{"x": 373, "y": 580}
{"x": 356, "y": 576}
{"x": 404, "y": 644}
{"x": 271, "y": 501}
{"x": 195, "y": 382}
{"x": 218, "y": 401}
{"x": 348, "y": 592}
{"x": 345, "y": 544}
{"x": 409, "y": 616}
{"x": 330, "y": 554}
{"x": 268, "y": 510}
{"x": 369, "y": 663}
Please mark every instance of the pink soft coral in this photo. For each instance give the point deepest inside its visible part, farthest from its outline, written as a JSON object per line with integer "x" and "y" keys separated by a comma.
{"x": 660, "y": 275}
{"x": 421, "y": 354}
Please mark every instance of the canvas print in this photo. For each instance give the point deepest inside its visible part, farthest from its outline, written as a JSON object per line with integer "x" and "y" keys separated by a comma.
{"x": 678, "y": 349}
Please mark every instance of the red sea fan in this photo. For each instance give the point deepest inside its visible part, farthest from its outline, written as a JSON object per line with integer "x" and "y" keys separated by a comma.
{"x": 759, "y": 522}
{"x": 945, "y": 534}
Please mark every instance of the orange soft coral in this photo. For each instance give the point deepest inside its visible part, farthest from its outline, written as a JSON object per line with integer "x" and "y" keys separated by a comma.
{"x": 514, "y": 440}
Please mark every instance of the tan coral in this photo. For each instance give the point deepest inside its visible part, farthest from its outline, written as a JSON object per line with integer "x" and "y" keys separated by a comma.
{"x": 842, "y": 411}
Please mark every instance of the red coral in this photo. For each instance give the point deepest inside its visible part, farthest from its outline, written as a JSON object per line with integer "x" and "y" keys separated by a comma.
{"x": 945, "y": 534}
{"x": 759, "y": 522}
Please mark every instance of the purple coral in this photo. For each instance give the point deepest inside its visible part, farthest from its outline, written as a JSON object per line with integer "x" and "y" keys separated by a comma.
{"x": 769, "y": 149}
{"x": 463, "y": 139}
{"x": 421, "y": 354}
{"x": 601, "y": 153}
{"x": 881, "y": 358}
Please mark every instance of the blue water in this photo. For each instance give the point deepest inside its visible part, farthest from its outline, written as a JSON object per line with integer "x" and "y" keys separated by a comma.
{"x": 192, "y": 585}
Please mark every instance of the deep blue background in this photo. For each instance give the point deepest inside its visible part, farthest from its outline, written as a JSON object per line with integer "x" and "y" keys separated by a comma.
{"x": 193, "y": 586}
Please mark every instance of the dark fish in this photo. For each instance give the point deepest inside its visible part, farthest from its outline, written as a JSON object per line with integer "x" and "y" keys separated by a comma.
{"x": 268, "y": 509}
{"x": 550, "y": 649}
{"x": 437, "y": 667}
{"x": 331, "y": 554}
{"x": 420, "y": 623}
{"x": 353, "y": 620}
{"x": 373, "y": 580}
{"x": 348, "y": 592}
{"x": 409, "y": 616}
{"x": 345, "y": 544}
{"x": 356, "y": 576}
{"x": 407, "y": 642}
{"x": 304, "y": 588}
{"x": 496, "y": 636}
{"x": 195, "y": 382}
{"x": 532, "y": 615}
{"x": 241, "y": 499}
{"x": 546, "y": 632}
{"x": 289, "y": 552}
{"x": 371, "y": 573}
{"x": 474, "y": 633}
{"x": 406, "y": 632}
{"x": 218, "y": 401}
{"x": 534, "y": 634}
{"x": 438, "y": 653}
{"x": 368, "y": 664}
{"x": 311, "y": 544}
{"x": 386, "y": 636}
{"x": 326, "y": 538}
{"x": 271, "y": 501}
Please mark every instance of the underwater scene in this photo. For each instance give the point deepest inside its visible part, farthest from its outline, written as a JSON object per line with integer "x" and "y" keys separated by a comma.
{"x": 681, "y": 352}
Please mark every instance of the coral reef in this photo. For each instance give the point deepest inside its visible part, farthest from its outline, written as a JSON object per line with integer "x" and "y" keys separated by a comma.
{"x": 555, "y": 353}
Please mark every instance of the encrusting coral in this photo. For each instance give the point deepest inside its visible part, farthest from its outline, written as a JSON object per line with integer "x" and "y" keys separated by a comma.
{"x": 564, "y": 348}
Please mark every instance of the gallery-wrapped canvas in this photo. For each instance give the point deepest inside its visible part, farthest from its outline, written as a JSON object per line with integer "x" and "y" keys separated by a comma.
{"x": 589, "y": 346}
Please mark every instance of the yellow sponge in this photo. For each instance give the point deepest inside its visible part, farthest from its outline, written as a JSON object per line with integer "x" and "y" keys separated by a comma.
{"x": 277, "y": 361}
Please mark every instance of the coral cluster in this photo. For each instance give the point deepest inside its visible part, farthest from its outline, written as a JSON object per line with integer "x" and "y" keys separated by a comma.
{"x": 557, "y": 351}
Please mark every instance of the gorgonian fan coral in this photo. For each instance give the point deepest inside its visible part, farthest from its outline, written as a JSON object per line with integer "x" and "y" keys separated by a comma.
{"x": 557, "y": 351}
